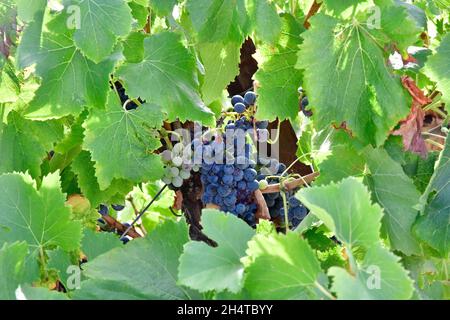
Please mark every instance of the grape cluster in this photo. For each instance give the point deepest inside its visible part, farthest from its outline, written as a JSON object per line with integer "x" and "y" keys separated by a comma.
{"x": 241, "y": 105}
{"x": 274, "y": 201}
{"x": 104, "y": 210}
{"x": 177, "y": 165}
{"x": 229, "y": 174}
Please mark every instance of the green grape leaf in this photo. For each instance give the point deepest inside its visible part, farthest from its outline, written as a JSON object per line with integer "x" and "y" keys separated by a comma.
{"x": 419, "y": 169}
{"x": 139, "y": 13}
{"x": 59, "y": 260}
{"x": 26, "y": 10}
{"x": 101, "y": 22}
{"x": 97, "y": 243}
{"x": 277, "y": 74}
{"x": 219, "y": 20}
{"x": 133, "y": 47}
{"x": 39, "y": 293}
{"x": 347, "y": 210}
{"x": 121, "y": 142}
{"x": 396, "y": 25}
{"x": 30, "y": 43}
{"x": 437, "y": 69}
{"x": 337, "y": 7}
{"x": 396, "y": 193}
{"x": 163, "y": 7}
{"x": 221, "y": 63}
{"x": 281, "y": 267}
{"x": 25, "y": 143}
{"x": 349, "y": 80}
{"x": 9, "y": 83}
{"x": 267, "y": 22}
{"x": 7, "y": 12}
{"x": 433, "y": 226}
{"x": 83, "y": 167}
{"x": 379, "y": 277}
{"x": 415, "y": 12}
{"x": 205, "y": 268}
{"x": 344, "y": 161}
{"x": 157, "y": 257}
{"x": 70, "y": 81}
{"x": 39, "y": 217}
{"x": 12, "y": 257}
{"x": 107, "y": 290}
{"x": 171, "y": 69}
{"x": 74, "y": 138}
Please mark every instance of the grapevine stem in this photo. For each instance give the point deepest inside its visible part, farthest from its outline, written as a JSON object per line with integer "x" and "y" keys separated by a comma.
{"x": 144, "y": 210}
{"x": 286, "y": 217}
{"x": 433, "y": 135}
{"x": 179, "y": 136}
{"x": 42, "y": 258}
{"x": 290, "y": 166}
{"x": 291, "y": 184}
{"x": 270, "y": 141}
{"x": 293, "y": 6}
{"x": 2, "y": 114}
{"x": 324, "y": 291}
{"x": 434, "y": 143}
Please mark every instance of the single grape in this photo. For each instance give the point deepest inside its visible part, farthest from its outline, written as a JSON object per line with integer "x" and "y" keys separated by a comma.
{"x": 211, "y": 189}
{"x": 103, "y": 210}
{"x": 250, "y": 174}
{"x": 228, "y": 179}
{"x": 207, "y": 198}
{"x": 228, "y": 169}
{"x": 229, "y": 200}
{"x": 262, "y": 124}
{"x": 167, "y": 180}
{"x": 212, "y": 179}
{"x": 178, "y": 149}
{"x": 174, "y": 171}
{"x": 238, "y": 175}
{"x": 250, "y": 98}
{"x": 281, "y": 168}
{"x": 218, "y": 200}
{"x": 305, "y": 102}
{"x": 239, "y": 107}
{"x": 185, "y": 174}
{"x": 263, "y": 184}
{"x": 240, "y": 208}
{"x": 125, "y": 239}
{"x": 177, "y": 182}
{"x": 166, "y": 155}
{"x": 253, "y": 186}
{"x": 242, "y": 185}
{"x": 236, "y": 99}
{"x": 217, "y": 168}
{"x": 224, "y": 190}
{"x": 177, "y": 161}
{"x": 294, "y": 202}
{"x": 118, "y": 207}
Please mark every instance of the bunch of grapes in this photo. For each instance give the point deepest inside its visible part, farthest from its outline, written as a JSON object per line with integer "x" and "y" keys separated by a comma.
{"x": 228, "y": 174}
{"x": 177, "y": 165}
{"x": 104, "y": 210}
{"x": 274, "y": 201}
